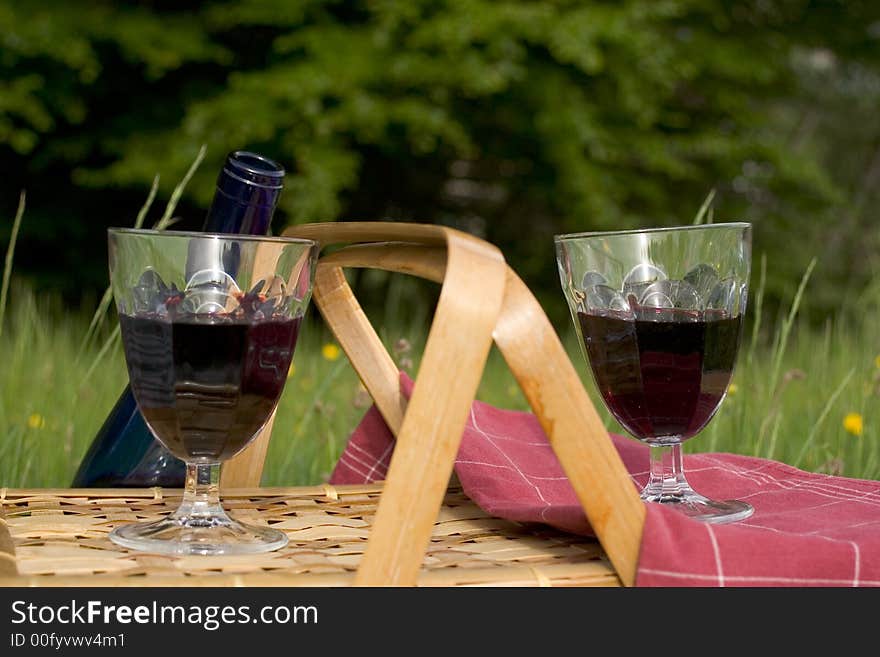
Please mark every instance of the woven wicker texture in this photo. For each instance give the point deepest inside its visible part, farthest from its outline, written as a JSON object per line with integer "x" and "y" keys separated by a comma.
{"x": 60, "y": 538}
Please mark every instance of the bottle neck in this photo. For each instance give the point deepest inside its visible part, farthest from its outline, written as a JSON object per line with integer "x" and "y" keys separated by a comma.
{"x": 247, "y": 192}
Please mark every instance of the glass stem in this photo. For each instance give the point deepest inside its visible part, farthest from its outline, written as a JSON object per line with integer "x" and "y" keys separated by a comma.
{"x": 667, "y": 482}
{"x": 201, "y": 495}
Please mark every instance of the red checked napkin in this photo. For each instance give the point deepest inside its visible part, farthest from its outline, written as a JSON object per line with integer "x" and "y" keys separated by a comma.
{"x": 807, "y": 529}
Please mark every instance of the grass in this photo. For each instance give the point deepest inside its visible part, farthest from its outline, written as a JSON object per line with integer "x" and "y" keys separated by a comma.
{"x": 792, "y": 390}
{"x": 801, "y": 395}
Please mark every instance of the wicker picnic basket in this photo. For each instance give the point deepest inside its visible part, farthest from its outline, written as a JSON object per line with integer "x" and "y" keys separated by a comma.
{"x": 415, "y": 527}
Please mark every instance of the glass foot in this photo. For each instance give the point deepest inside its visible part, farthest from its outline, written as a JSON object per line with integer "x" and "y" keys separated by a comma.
{"x": 214, "y": 534}
{"x": 698, "y": 507}
{"x": 668, "y": 485}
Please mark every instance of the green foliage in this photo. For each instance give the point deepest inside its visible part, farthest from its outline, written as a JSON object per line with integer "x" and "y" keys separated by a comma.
{"x": 512, "y": 119}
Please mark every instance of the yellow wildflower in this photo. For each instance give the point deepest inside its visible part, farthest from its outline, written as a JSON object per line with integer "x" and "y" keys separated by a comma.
{"x": 330, "y": 351}
{"x": 732, "y": 389}
{"x": 853, "y": 424}
{"x": 36, "y": 421}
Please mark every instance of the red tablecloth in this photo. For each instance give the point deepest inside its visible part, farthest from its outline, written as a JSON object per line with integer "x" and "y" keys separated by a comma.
{"x": 807, "y": 530}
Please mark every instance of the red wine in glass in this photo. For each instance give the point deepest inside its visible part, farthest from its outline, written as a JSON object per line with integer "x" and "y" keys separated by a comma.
{"x": 207, "y": 384}
{"x": 664, "y": 377}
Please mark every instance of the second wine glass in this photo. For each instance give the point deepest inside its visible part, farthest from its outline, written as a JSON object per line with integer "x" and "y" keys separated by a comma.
{"x": 209, "y": 326}
{"x": 659, "y": 314}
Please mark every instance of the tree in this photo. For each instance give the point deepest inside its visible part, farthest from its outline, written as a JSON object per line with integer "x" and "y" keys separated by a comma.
{"x": 515, "y": 120}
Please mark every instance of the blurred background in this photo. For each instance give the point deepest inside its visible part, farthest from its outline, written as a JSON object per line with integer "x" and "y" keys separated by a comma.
{"x": 512, "y": 120}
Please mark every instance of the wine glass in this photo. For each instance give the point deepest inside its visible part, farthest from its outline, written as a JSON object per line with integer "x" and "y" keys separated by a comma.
{"x": 659, "y": 314}
{"x": 209, "y": 326}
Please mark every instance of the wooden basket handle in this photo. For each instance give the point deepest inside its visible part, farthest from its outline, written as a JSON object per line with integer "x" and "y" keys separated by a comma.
{"x": 553, "y": 389}
{"x": 538, "y": 361}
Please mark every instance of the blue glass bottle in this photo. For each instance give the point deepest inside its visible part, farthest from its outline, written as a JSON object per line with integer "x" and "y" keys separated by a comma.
{"x": 124, "y": 452}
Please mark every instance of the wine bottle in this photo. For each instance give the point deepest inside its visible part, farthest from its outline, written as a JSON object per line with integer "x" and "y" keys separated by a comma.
{"x": 124, "y": 453}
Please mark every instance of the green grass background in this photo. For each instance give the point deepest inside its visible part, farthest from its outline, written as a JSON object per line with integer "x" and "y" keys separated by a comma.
{"x": 794, "y": 386}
